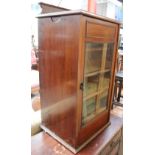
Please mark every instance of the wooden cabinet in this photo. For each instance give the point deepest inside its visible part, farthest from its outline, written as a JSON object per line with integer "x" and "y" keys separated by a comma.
{"x": 77, "y": 54}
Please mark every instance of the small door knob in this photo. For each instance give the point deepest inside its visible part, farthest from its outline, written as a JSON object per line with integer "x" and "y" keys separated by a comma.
{"x": 81, "y": 86}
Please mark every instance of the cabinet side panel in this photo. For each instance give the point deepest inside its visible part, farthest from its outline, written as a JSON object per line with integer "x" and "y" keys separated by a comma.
{"x": 58, "y": 64}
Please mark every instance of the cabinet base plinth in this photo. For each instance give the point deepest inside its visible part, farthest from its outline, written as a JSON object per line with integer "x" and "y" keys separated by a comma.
{"x": 72, "y": 149}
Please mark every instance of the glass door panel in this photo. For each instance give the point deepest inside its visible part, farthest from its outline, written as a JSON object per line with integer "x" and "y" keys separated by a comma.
{"x": 103, "y": 100}
{"x": 104, "y": 81}
{"x": 91, "y": 84}
{"x": 88, "y": 110}
{"x": 93, "y": 57}
{"x": 97, "y": 74}
{"x": 109, "y": 55}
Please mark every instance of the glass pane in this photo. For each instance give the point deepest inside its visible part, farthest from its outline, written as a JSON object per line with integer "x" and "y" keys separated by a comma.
{"x": 93, "y": 57}
{"x": 109, "y": 55}
{"x": 91, "y": 84}
{"x": 88, "y": 110}
{"x": 104, "y": 81}
{"x": 103, "y": 100}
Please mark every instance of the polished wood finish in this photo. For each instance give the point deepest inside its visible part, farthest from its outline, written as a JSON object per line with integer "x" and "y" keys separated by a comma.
{"x": 78, "y": 12}
{"x": 104, "y": 30}
{"x": 62, "y": 38}
{"x": 104, "y": 144}
{"x": 58, "y": 74}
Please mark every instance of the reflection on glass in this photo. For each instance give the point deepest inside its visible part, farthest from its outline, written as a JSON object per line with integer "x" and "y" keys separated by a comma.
{"x": 104, "y": 81}
{"x": 88, "y": 110}
{"x": 109, "y": 55}
{"x": 103, "y": 100}
{"x": 90, "y": 84}
{"x": 93, "y": 57}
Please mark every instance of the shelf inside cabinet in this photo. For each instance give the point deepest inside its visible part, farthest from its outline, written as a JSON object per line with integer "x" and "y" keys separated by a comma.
{"x": 96, "y": 73}
{"x": 93, "y": 49}
{"x": 94, "y": 94}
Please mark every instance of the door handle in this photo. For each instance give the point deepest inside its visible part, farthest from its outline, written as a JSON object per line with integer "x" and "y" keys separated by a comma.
{"x": 81, "y": 86}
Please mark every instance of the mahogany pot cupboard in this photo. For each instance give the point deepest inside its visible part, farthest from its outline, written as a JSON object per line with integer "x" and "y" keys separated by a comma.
{"x": 77, "y": 55}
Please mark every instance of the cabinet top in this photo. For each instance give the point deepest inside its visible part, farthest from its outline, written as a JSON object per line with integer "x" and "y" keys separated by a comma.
{"x": 77, "y": 12}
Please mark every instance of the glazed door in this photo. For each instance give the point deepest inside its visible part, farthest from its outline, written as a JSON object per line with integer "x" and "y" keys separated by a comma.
{"x": 97, "y": 74}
